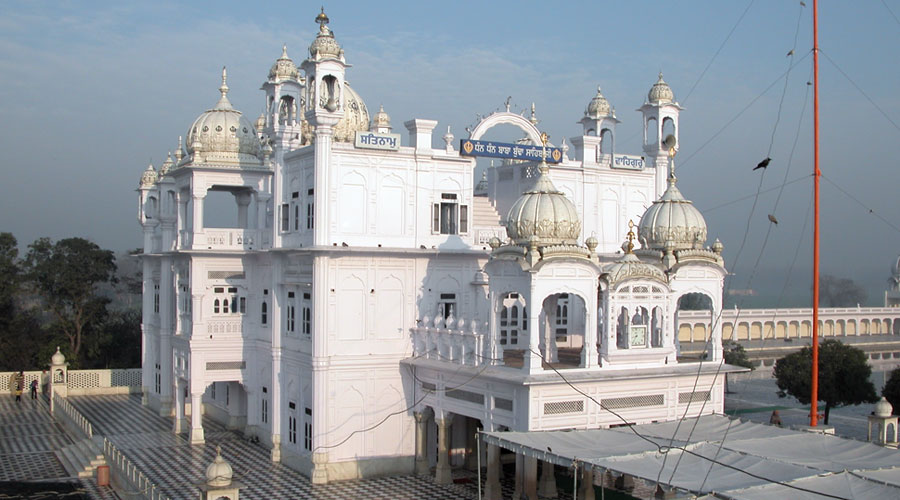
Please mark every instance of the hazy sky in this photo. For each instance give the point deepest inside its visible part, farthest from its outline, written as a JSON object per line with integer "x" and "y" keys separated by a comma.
{"x": 90, "y": 92}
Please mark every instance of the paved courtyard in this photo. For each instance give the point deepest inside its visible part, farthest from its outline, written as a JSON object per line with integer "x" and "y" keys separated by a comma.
{"x": 176, "y": 467}
{"x": 28, "y": 438}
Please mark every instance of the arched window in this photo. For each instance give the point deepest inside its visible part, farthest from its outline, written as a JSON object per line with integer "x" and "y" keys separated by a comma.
{"x": 622, "y": 329}
{"x": 513, "y": 319}
{"x": 656, "y": 328}
{"x": 264, "y": 313}
{"x": 216, "y": 306}
{"x": 225, "y": 306}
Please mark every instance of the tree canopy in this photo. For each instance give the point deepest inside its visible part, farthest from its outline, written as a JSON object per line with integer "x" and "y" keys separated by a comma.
{"x": 891, "y": 389}
{"x": 66, "y": 275}
{"x": 840, "y": 292}
{"x": 843, "y": 376}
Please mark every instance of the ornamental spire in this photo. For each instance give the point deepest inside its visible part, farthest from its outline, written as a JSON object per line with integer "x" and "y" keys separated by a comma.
{"x": 224, "y": 103}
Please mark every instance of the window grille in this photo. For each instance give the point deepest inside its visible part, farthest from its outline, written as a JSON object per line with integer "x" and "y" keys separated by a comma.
{"x": 225, "y": 275}
{"x": 633, "y": 401}
{"x": 226, "y": 365}
{"x": 560, "y": 407}
{"x": 693, "y": 397}
{"x": 472, "y": 397}
{"x": 503, "y": 404}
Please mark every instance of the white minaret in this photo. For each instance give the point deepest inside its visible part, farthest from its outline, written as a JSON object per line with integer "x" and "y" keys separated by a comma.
{"x": 660, "y": 114}
{"x": 600, "y": 121}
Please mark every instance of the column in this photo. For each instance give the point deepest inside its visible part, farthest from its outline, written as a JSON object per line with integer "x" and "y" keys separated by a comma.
{"x": 492, "y": 489}
{"x": 197, "y": 215}
{"x": 421, "y": 437}
{"x": 442, "y": 471}
{"x": 530, "y": 483}
{"x": 197, "y": 418}
{"x": 547, "y": 486}
{"x": 243, "y": 201}
{"x": 519, "y": 479}
{"x": 179, "y": 406}
{"x": 586, "y": 482}
{"x": 532, "y": 361}
{"x": 166, "y": 324}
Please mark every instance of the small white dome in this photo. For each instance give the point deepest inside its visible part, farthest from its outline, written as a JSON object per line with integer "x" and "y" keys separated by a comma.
{"x": 284, "y": 68}
{"x": 883, "y": 408}
{"x": 219, "y": 473}
{"x": 660, "y": 93}
{"x": 598, "y": 107}
{"x": 544, "y": 215}
{"x": 58, "y": 358}
{"x": 381, "y": 119}
{"x": 223, "y": 133}
{"x": 672, "y": 223}
{"x": 148, "y": 179}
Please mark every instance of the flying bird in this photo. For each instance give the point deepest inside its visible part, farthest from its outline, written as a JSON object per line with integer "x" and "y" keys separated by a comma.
{"x": 762, "y": 164}
{"x": 772, "y": 219}
{"x": 790, "y": 53}
{"x": 802, "y": 3}
{"x": 344, "y": 244}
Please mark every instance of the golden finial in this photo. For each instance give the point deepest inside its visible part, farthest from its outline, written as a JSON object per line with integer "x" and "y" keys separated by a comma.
{"x": 630, "y": 245}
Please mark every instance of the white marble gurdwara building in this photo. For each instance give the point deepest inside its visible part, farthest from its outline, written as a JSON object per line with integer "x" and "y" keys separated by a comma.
{"x": 372, "y": 304}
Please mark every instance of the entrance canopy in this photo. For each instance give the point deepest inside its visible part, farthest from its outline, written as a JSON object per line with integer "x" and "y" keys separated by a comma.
{"x": 750, "y": 463}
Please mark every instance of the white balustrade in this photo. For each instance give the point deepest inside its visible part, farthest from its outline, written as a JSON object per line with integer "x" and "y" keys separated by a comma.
{"x": 457, "y": 341}
{"x": 226, "y": 239}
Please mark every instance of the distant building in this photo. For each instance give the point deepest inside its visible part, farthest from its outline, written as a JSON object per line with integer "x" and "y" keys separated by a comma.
{"x": 370, "y": 305}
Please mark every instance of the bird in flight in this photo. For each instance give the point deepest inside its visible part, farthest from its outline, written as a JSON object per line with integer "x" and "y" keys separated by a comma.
{"x": 762, "y": 164}
{"x": 772, "y": 219}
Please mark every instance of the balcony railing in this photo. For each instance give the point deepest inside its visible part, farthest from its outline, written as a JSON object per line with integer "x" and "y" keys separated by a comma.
{"x": 455, "y": 340}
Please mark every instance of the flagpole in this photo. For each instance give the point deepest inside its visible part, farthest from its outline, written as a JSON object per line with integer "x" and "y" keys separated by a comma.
{"x": 814, "y": 396}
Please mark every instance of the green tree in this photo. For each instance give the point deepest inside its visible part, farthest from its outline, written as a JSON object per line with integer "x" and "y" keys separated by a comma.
{"x": 891, "y": 389}
{"x": 843, "y": 376}
{"x": 735, "y": 354}
{"x": 66, "y": 275}
{"x": 840, "y": 292}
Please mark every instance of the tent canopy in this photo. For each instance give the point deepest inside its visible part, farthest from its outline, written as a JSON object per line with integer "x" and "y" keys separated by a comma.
{"x": 726, "y": 458}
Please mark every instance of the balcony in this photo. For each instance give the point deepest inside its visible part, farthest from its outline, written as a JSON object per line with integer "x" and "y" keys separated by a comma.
{"x": 222, "y": 239}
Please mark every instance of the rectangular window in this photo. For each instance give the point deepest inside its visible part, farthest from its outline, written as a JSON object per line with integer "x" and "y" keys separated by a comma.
{"x": 449, "y": 217}
{"x": 307, "y": 315}
{"x": 307, "y": 430}
{"x": 227, "y": 394}
{"x": 292, "y": 429}
{"x": 296, "y": 217}
{"x": 447, "y": 305}
{"x": 156, "y": 298}
{"x": 285, "y": 217}
{"x": 264, "y": 411}
{"x": 291, "y": 313}
{"x": 310, "y": 209}
{"x": 264, "y": 313}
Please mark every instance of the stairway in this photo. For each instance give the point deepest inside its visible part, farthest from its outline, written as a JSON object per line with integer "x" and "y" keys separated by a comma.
{"x": 483, "y": 213}
{"x": 81, "y": 458}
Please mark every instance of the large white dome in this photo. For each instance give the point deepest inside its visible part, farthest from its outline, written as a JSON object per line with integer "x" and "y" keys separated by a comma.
{"x": 543, "y": 213}
{"x": 223, "y": 134}
{"x": 672, "y": 223}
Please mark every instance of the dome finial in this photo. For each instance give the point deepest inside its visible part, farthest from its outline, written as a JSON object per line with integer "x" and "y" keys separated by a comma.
{"x": 284, "y": 50}
{"x": 534, "y": 119}
{"x": 322, "y": 19}
{"x": 224, "y": 88}
{"x": 629, "y": 245}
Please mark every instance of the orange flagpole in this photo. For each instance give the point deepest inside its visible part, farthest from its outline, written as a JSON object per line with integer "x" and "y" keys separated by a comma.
{"x": 814, "y": 396}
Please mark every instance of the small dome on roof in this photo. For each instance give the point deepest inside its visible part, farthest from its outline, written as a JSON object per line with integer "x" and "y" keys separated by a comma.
{"x": 324, "y": 46}
{"x": 58, "y": 358}
{"x": 148, "y": 178}
{"x": 261, "y": 122}
{"x": 381, "y": 119}
{"x": 284, "y": 68}
{"x": 660, "y": 93}
{"x": 672, "y": 223}
{"x": 223, "y": 133}
{"x": 883, "y": 408}
{"x": 631, "y": 267}
{"x": 543, "y": 215}
{"x": 166, "y": 166}
{"x": 219, "y": 473}
{"x": 598, "y": 107}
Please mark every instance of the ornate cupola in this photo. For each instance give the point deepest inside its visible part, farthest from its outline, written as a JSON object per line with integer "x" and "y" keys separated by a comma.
{"x": 222, "y": 135}
{"x": 148, "y": 178}
{"x": 660, "y": 117}
{"x": 284, "y": 68}
{"x": 381, "y": 122}
{"x": 600, "y": 120}
{"x": 660, "y": 92}
{"x": 543, "y": 215}
{"x": 672, "y": 222}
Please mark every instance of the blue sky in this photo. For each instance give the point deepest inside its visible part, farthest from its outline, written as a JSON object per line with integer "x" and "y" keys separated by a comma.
{"x": 92, "y": 91}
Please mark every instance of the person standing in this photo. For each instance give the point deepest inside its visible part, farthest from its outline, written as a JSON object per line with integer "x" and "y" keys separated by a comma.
{"x": 20, "y": 386}
{"x": 34, "y": 386}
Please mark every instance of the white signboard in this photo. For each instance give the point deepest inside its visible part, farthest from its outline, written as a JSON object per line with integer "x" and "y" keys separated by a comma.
{"x": 628, "y": 162}
{"x": 374, "y": 140}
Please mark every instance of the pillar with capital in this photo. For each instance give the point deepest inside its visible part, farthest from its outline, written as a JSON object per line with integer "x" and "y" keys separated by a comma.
{"x": 421, "y": 438}
{"x": 442, "y": 471}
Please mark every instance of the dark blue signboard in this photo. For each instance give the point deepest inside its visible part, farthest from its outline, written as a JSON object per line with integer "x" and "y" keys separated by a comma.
{"x": 469, "y": 147}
